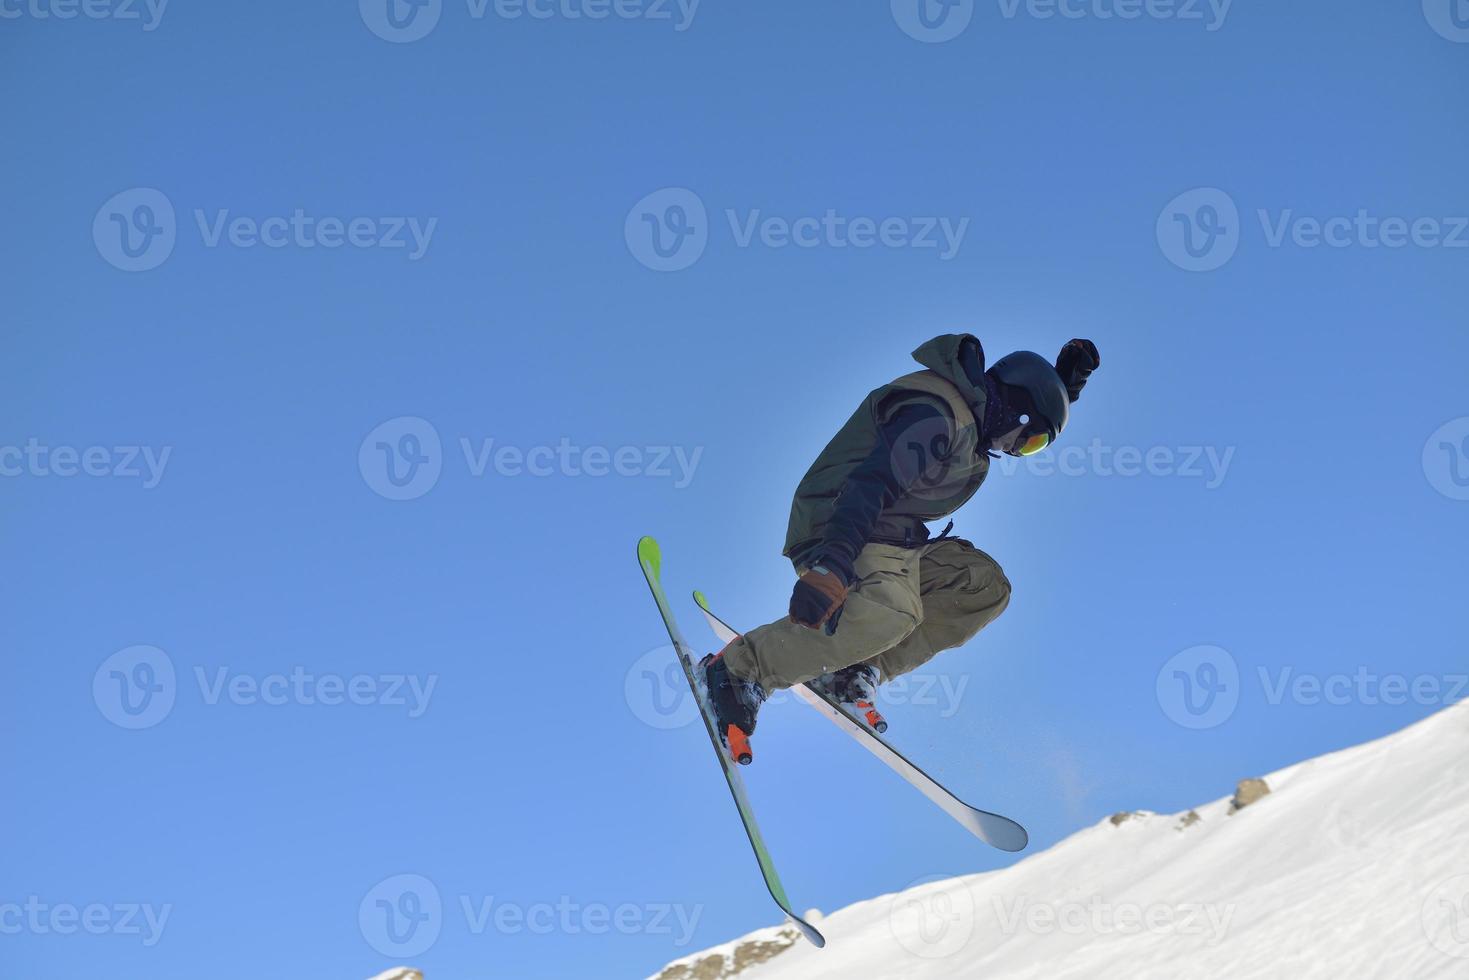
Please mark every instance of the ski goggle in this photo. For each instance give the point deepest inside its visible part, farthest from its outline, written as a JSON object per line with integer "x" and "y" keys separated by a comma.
{"x": 1030, "y": 444}
{"x": 1029, "y": 437}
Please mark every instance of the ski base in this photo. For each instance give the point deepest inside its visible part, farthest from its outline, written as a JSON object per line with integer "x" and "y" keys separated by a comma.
{"x": 995, "y": 830}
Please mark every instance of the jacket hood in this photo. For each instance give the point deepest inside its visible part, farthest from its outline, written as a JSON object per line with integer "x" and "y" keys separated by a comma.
{"x": 941, "y": 356}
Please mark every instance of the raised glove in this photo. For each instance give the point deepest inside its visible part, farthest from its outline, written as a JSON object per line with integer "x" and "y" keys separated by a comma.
{"x": 1076, "y": 362}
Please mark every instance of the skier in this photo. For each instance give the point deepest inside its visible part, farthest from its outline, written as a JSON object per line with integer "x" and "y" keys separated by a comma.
{"x": 877, "y": 597}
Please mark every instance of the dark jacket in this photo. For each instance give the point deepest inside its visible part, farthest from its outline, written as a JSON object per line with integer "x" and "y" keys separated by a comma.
{"x": 912, "y": 452}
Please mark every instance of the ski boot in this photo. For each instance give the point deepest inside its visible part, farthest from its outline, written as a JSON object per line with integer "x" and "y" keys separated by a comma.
{"x": 735, "y": 702}
{"x": 854, "y": 688}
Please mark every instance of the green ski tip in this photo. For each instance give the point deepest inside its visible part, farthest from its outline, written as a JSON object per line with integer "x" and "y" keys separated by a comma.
{"x": 651, "y": 556}
{"x": 702, "y": 601}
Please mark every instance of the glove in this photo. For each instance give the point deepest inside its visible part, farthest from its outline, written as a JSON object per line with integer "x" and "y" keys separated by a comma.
{"x": 1076, "y": 362}
{"x": 818, "y": 597}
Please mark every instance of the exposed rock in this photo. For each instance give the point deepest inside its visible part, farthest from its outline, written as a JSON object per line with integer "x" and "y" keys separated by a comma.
{"x": 1118, "y": 819}
{"x": 748, "y": 954}
{"x": 1248, "y": 791}
{"x": 1188, "y": 820}
{"x": 709, "y": 968}
{"x": 741, "y": 958}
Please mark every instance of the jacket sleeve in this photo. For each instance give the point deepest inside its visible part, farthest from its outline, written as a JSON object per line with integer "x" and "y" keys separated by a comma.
{"x": 880, "y": 479}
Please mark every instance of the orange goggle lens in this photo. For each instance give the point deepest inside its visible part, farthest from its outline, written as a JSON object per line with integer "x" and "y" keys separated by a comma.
{"x": 1034, "y": 444}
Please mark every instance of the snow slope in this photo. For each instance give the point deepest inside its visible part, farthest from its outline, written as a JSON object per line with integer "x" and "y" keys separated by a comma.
{"x": 1356, "y": 864}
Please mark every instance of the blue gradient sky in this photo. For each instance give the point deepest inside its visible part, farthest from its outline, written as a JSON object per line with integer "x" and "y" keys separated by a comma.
{"x": 532, "y": 778}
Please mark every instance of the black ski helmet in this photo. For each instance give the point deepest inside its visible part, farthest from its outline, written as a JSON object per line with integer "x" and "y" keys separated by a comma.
{"x": 1035, "y": 376}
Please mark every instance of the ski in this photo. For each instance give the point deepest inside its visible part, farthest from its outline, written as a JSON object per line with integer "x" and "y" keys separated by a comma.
{"x": 993, "y": 829}
{"x": 650, "y": 557}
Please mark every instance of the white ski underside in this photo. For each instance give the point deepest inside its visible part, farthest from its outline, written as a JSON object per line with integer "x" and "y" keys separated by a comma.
{"x": 993, "y": 829}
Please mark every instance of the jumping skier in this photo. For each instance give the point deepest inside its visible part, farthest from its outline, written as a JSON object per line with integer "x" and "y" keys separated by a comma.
{"x": 876, "y": 596}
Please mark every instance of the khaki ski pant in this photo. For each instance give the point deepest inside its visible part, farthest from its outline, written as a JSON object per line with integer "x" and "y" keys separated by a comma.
{"x": 909, "y": 604}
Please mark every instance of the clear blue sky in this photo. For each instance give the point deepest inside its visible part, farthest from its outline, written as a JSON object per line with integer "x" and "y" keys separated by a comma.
{"x": 532, "y": 317}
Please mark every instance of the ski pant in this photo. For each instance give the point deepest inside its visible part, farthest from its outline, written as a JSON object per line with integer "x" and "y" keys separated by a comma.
{"x": 907, "y": 605}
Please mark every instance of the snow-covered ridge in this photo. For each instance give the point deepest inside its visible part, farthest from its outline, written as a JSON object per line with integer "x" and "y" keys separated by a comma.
{"x": 1353, "y": 864}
